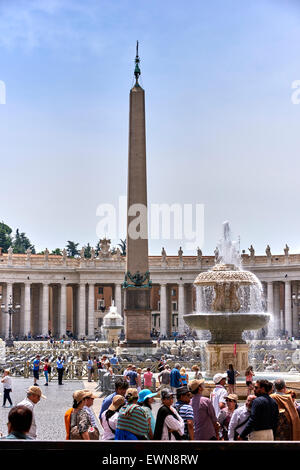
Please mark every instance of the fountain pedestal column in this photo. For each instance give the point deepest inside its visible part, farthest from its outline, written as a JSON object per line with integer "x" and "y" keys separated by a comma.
{"x": 219, "y": 356}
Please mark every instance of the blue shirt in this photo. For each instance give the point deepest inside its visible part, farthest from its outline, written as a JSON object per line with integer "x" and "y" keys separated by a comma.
{"x": 174, "y": 378}
{"x": 36, "y": 364}
{"x": 106, "y": 403}
{"x": 114, "y": 361}
{"x": 59, "y": 364}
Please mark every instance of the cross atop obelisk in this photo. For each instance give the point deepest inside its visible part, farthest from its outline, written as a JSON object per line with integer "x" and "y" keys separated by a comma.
{"x": 137, "y": 282}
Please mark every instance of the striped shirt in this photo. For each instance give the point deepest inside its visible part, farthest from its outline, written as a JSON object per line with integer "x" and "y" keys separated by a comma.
{"x": 133, "y": 418}
{"x": 186, "y": 412}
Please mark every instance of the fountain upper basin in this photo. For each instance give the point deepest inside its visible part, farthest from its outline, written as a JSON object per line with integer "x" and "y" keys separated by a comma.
{"x": 227, "y": 328}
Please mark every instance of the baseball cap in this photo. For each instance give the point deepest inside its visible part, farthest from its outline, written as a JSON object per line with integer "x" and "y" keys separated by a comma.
{"x": 232, "y": 396}
{"x": 195, "y": 384}
{"x": 118, "y": 400}
{"x": 218, "y": 377}
{"x": 35, "y": 390}
{"x": 144, "y": 394}
{"x": 132, "y": 392}
{"x": 166, "y": 393}
{"x": 182, "y": 391}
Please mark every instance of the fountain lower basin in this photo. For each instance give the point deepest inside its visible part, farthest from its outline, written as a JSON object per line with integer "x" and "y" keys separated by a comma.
{"x": 227, "y": 328}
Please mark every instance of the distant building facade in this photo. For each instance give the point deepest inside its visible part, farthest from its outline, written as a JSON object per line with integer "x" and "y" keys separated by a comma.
{"x": 61, "y": 294}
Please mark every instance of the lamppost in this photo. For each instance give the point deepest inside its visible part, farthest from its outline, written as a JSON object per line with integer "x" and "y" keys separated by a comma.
{"x": 11, "y": 310}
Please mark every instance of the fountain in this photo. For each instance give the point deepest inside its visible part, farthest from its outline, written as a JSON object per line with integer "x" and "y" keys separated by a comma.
{"x": 112, "y": 324}
{"x": 231, "y": 303}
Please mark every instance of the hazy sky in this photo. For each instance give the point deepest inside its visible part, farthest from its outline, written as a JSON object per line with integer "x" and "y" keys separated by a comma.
{"x": 222, "y": 129}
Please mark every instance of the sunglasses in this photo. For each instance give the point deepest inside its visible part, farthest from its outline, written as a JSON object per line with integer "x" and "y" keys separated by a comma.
{"x": 229, "y": 399}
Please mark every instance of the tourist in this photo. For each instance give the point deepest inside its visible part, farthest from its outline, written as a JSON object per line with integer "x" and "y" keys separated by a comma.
{"x": 114, "y": 361}
{"x": 34, "y": 394}
{"x": 139, "y": 379}
{"x": 232, "y": 374}
{"x": 263, "y": 420}
{"x": 60, "y": 369}
{"x": 121, "y": 385}
{"x": 205, "y": 420}
{"x": 161, "y": 364}
{"x": 126, "y": 371}
{"x": 110, "y": 418}
{"x": 47, "y": 370}
{"x": 184, "y": 377}
{"x": 169, "y": 425}
{"x": 80, "y": 422}
{"x": 164, "y": 377}
{"x": 186, "y": 412}
{"x": 219, "y": 393}
{"x": 249, "y": 374}
{"x": 19, "y": 423}
{"x": 132, "y": 421}
{"x": 175, "y": 378}
{"x": 146, "y": 399}
{"x": 36, "y": 370}
{"x": 240, "y": 418}
{"x": 132, "y": 377}
{"x": 90, "y": 368}
{"x": 148, "y": 379}
{"x": 225, "y": 415}
{"x": 288, "y": 428}
{"x": 90, "y": 396}
{"x": 7, "y": 387}
{"x": 198, "y": 374}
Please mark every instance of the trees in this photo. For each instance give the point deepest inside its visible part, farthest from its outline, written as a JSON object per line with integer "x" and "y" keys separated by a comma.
{"x": 5, "y": 236}
{"x": 57, "y": 251}
{"x": 21, "y": 243}
{"x": 87, "y": 251}
{"x": 123, "y": 246}
{"x": 72, "y": 250}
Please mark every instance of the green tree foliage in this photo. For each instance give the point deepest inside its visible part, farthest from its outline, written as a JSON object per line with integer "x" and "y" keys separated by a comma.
{"x": 72, "y": 250}
{"x": 87, "y": 251}
{"x": 57, "y": 251}
{"x": 5, "y": 236}
{"x": 21, "y": 243}
{"x": 123, "y": 246}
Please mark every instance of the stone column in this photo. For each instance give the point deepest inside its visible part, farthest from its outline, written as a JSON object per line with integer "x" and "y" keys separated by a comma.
{"x": 287, "y": 307}
{"x": 198, "y": 299}
{"x": 63, "y": 310}
{"x": 91, "y": 312}
{"x": 22, "y": 310}
{"x": 181, "y": 308}
{"x": 163, "y": 309}
{"x": 9, "y": 298}
{"x": 277, "y": 307}
{"x": 295, "y": 310}
{"x": 118, "y": 298}
{"x": 27, "y": 308}
{"x": 45, "y": 308}
{"x": 81, "y": 316}
{"x": 270, "y": 297}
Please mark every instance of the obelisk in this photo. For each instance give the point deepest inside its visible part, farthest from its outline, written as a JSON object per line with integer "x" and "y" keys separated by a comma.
{"x": 137, "y": 282}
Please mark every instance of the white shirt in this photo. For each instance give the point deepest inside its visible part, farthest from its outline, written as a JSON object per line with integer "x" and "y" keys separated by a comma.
{"x": 29, "y": 404}
{"x": 217, "y": 396}
{"x": 7, "y": 382}
{"x": 239, "y": 416}
{"x": 174, "y": 424}
{"x": 108, "y": 434}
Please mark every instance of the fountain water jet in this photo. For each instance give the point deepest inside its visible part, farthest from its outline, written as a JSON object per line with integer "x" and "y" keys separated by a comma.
{"x": 232, "y": 303}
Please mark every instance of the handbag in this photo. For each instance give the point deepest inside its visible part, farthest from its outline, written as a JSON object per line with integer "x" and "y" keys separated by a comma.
{"x": 93, "y": 434}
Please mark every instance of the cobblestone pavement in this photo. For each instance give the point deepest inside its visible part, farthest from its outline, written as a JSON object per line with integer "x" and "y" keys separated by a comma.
{"x": 49, "y": 413}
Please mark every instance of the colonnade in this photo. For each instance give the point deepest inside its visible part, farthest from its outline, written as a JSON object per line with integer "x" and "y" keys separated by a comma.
{"x": 280, "y": 302}
{"x": 51, "y": 306}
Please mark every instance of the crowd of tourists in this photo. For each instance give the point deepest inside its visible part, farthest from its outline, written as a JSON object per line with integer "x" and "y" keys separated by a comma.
{"x": 186, "y": 411}
{"x": 270, "y": 411}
